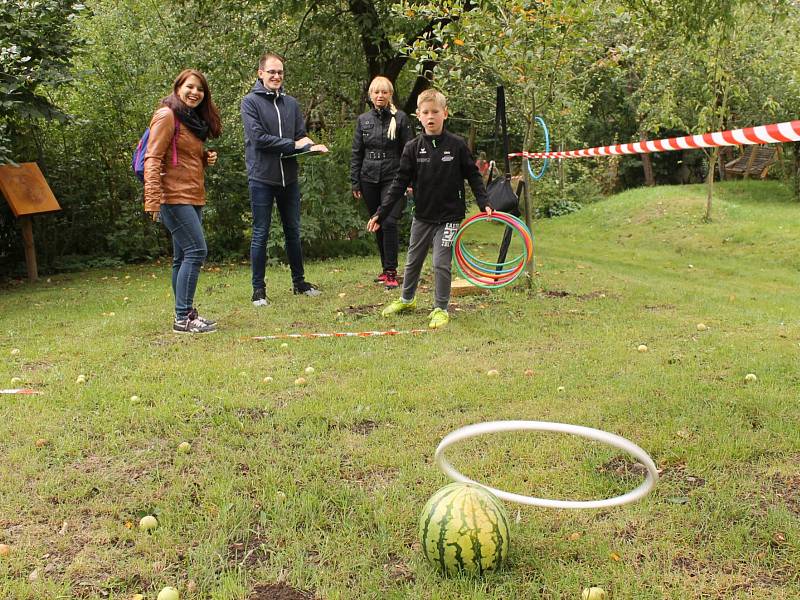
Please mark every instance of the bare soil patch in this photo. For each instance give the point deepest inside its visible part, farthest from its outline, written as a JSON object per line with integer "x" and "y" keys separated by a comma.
{"x": 278, "y": 591}
{"x": 364, "y": 427}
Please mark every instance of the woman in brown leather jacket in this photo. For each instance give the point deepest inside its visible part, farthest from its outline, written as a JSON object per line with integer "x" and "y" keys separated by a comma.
{"x": 380, "y": 136}
{"x": 174, "y": 187}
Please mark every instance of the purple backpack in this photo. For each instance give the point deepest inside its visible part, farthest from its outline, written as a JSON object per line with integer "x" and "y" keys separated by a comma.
{"x": 137, "y": 164}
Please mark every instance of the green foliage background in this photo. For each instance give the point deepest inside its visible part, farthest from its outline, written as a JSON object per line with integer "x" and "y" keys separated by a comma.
{"x": 79, "y": 84}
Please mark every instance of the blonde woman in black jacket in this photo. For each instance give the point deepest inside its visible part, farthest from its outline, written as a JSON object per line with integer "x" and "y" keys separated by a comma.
{"x": 380, "y": 136}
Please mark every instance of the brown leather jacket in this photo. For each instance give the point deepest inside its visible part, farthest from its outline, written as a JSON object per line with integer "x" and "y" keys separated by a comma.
{"x": 165, "y": 183}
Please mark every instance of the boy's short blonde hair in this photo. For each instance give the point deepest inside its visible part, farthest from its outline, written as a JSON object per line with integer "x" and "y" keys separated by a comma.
{"x": 431, "y": 95}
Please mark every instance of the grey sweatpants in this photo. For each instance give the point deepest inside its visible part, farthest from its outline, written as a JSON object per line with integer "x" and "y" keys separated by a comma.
{"x": 441, "y": 236}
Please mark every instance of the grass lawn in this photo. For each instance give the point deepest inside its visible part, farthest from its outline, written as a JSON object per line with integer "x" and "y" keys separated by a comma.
{"x": 317, "y": 488}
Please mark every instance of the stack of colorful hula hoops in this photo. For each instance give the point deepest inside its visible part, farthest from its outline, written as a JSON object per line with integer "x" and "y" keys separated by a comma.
{"x": 487, "y": 274}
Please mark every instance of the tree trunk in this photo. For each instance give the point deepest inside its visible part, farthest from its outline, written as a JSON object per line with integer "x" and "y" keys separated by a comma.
{"x": 797, "y": 170}
{"x": 647, "y": 164}
{"x": 712, "y": 164}
{"x": 381, "y": 56}
{"x": 724, "y": 157}
{"x": 526, "y": 192}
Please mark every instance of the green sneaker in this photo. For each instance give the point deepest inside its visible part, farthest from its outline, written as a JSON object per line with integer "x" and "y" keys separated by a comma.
{"x": 397, "y": 306}
{"x": 439, "y": 318}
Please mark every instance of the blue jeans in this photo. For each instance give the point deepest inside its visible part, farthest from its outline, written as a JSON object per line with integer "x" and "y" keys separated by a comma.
{"x": 185, "y": 224}
{"x": 262, "y": 196}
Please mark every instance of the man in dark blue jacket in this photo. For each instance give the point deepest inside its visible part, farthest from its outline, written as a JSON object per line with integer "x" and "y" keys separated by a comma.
{"x": 274, "y": 131}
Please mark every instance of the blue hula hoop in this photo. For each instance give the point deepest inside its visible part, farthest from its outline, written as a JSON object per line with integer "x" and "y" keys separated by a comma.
{"x": 546, "y": 162}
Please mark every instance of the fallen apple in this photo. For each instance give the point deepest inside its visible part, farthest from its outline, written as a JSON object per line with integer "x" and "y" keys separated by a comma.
{"x": 528, "y": 372}
{"x": 701, "y": 327}
{"x": 309, "y": 370}
{"x": 5, "y": 549}
{"x": 267, "y": 379}
{"x": 642, "y": 348}
{"x": 16, "y": 380}
{"x": 81, "y": 379}
{"x": 750, "y": 378}
{"x": 134, "y": 398}
{"x": 300, "y": 381}
{"x": 148, "y": 522}
{"x": 284, "y": 345}
{"x": 593, "y": 593}
{"x": 184, "y": 447}
{"x": 561, "y": 388}
{"x": 41, "y": 443}
{"x": 168, "y": 593}
{"x": 493, "y": 372}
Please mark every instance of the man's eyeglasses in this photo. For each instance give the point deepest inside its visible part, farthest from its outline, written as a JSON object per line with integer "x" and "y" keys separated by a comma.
{"x": 273, "y": 72}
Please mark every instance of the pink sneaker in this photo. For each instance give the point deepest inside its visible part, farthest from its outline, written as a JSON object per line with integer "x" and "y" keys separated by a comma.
{"x": 381, "y": 278}
{"x": 391, "y": 281}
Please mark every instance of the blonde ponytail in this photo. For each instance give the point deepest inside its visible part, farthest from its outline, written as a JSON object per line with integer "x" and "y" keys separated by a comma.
{"x": 391, "y": 133}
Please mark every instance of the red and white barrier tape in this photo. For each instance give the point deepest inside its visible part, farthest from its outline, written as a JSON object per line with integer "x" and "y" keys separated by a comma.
{"x": 288, "y": 336}
{"x": 19, "y": 391}
{"x": 763, "y": 134}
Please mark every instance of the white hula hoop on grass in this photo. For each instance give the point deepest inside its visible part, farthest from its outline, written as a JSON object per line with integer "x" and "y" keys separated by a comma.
{"x": 610, "y": 439}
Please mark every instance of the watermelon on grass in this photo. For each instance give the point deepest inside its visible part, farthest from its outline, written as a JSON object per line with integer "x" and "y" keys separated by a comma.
{"x": 464, "y": 528}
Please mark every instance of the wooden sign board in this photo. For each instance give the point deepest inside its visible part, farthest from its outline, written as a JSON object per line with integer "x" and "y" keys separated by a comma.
{"x": 26, "y": 190}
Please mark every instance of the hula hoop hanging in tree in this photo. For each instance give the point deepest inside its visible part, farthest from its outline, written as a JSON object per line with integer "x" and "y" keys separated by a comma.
{"x": 487, "y": 274}
{"x": 546, "y": 162}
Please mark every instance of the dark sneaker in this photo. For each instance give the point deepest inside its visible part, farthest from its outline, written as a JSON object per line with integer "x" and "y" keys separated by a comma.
{"x": 193, "y": 315}
{"x": 260, "y": 297}
{"x": 306, "y": 289}
{"x": 191, "y": 326}
{"x": 381, "y": 278}
{"x": 391, "y": 281}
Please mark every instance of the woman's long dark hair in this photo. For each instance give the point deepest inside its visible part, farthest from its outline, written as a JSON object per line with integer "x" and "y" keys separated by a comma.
{"x": 207, "y": 110}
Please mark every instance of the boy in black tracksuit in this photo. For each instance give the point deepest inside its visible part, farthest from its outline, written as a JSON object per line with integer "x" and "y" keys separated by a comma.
{"x": 435, "y": 164}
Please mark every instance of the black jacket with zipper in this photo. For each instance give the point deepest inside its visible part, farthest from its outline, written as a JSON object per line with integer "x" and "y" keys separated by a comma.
{"x": 436, "y": 167}
{"x": 375, "y": 157}
{"x": 272, "y": 123}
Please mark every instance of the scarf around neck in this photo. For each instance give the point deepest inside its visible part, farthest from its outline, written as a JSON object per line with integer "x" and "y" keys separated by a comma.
{"x": 193, "y": 121}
